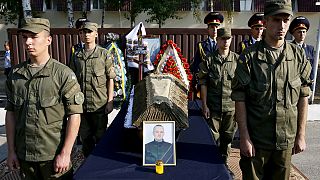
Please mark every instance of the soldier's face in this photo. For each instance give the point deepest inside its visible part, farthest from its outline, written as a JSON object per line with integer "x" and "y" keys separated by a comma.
{"x": 256, "y": 32}
{"x": 277, "y": 26}
{"x": 89, "y": 36}
{"x": 81, "y": 36}
{"x": 36, "y": 44}
{"x": 212, "y": 30}
{"x": 299, "y": 35}
{"x": 158, "y": 133}
{"x": 223, "y": 43}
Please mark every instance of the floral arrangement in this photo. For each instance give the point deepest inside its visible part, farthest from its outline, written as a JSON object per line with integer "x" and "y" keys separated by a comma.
{"x": 120, "y": 82}
{"x": 170, "y": 60}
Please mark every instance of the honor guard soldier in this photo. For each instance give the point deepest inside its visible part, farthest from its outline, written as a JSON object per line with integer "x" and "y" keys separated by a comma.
{"x": 255, "y": 23}
{"x": 208, "y": 46}
{"x": 44, "y": 102}
{"x": 215, "y": 76}
{"x": 79, "y": 23}
{"x": 270, "y": 90}
{"x": 299, "y": 28}
{"x": 94, "y": 69}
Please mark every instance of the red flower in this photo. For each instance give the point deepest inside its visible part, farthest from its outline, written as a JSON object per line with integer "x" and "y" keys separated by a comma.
{"x": 178, "y": 49}
{"x": 164, "y": 46}
{"x": 186, "y": 66}
{"x": 170, "y": 42}
{"x": 158, "y": 56}
{"x": 190, "y": 77}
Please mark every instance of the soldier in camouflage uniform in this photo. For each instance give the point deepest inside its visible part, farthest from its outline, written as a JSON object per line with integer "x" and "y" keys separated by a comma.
{"x": 79, "y": 23}
{"x": 271, "y": 93}
{"x": 95, "y": 72}
{"x": 206, "y": 47}
{"x": 43, "y": 105}
{"x": 215, "y": 77}
{"x": 256, "y": 28}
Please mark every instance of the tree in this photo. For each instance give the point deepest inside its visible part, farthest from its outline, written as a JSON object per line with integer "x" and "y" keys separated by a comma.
{"x": 161, "y": 10}
{"x": 70, "y": 14}
{"x": 10, "y": 10}
{"x": 84, "y": 8}
{"x": 26, "y": 6}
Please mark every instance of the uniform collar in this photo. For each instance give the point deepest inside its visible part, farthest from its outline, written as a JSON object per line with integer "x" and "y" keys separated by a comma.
{"x": 45, "y": 71}
{"x": 262, "y": 53}
{"x": 94, "y": 53}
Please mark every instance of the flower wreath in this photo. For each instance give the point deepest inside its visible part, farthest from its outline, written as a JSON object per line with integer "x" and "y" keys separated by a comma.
{"x": 170, "y": 60}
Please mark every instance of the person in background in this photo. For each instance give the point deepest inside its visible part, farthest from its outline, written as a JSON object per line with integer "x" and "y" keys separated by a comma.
{"x": 79, "y": 23}
{"x": 299, "y": 28}
{"x": 206, "y": 47}
{"x": 95, "y": 72}
{"x": 7, "y": 59}
{"x": 44, "y": 102}
{"x": 215, "y": 77}
{"x": 255, "y": 23}
{"x": 271, "y": 91}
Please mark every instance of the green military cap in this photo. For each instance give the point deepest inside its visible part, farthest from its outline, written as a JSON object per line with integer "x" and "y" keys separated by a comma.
{"x": 224, "y": 33}
{"x": 273, "y": 7}
{"x": 35, "y": 25}
{"x": 91, "y": 26}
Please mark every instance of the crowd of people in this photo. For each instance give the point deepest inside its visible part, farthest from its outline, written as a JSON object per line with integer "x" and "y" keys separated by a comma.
{"x": 262, "y": 90}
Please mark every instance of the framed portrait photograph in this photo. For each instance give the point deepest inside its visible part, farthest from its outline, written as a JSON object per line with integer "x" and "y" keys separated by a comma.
{"x": 159, "y": 143}
{"x": 153, "y": 46}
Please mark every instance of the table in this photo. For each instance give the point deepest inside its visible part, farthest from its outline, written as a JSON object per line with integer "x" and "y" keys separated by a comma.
{"x": 119, "y": 154}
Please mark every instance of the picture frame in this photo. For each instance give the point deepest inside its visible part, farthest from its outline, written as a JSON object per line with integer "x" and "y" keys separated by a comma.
{"x": 159, "y": 136}
{"x": 153, "y": 46}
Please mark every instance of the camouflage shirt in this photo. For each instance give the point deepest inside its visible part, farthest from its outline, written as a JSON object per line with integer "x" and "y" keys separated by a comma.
{"x": 271, "y": 90}
{"x": 41, "y": 104}
{"x": 93, "y": 71}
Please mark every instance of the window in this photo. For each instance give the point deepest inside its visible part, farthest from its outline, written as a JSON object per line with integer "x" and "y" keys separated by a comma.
{"x": 76, "y": 5}
{"x": 245, "y": 5}
{"x": 97, "y": 4}
{"x": 36, "y": 5}
{"x": 258, "y": 5}
{"x": 219, "y": 5}
{"x": 308, "y": 6}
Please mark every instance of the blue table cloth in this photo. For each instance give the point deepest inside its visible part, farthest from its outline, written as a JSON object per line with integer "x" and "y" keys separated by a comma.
{"x": 119, "y": 154}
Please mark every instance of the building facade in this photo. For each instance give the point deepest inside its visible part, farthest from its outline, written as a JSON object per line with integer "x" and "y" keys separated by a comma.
{"x": 116, "y": 16}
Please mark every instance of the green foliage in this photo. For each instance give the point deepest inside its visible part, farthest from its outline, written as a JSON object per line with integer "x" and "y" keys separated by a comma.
{"x": 161, "y": 10}
{"x": 10, "y": 10}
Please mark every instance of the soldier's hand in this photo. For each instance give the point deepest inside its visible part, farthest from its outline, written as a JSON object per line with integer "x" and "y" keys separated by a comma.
{"x": 13, "y": 162}
{"x": 109, "y": 107}
{"x": 62, "y": 163}
{"x": 246, "y": 147}
{"x": 206, "y": 112}
{"x": 299, "y": 145}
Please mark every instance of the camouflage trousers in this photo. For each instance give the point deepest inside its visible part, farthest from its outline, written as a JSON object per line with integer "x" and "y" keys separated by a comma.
{"x": 223, "y": 126}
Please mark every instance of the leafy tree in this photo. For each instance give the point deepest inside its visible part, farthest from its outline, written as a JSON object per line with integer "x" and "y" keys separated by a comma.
{"x": 10, "y": 11}
{"x": 161, "y": 10}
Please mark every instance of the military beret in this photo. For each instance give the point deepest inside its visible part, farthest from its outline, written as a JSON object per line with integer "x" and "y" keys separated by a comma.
{"x": 299, "y": 22}
{"x": 213, "y": 18}
{"x": 256, "y": 20}
{"x": 79, "y": 23}
{"x": 91, "y": 26}
{"x": 224, "y": 33}
{"x": 273, "y": 7}
{"x": 35, "y": 25}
